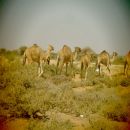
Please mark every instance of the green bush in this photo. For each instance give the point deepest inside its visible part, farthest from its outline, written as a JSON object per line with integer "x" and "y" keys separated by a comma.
{"x": 118, "y": 60}
{"x": 104, "y": 124}
{"x": 60, "y": 79}
{"x": 125, "y": 82}
{"x": 116, "y": 111}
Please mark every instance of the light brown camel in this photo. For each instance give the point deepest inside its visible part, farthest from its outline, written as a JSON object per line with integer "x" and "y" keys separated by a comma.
{"x": 104, "y": 58}
{"x": 36, "y": 54}
{"x": 66, "y": 56}
{"x": 48, "y": 54}
{"x": 85, "y": 62}
{"x": 77, "y": 50}
{"x": 127, "y": 64}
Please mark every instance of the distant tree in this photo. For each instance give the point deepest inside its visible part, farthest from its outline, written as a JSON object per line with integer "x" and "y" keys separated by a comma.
{"x": 2, "y": 50}
{"x": 22, "y": 49}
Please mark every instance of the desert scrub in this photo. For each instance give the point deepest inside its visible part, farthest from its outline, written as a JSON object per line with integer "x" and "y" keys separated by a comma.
{"x": 12, "y": 94}
{"x": 117, "y": 110}
{"x": 89, "y": 102}
{"x": 52, "y": 124}
{"x": 105, "y": 81}
{"x": 49, "y": 70}
{"x": 119, "y": 60}
{"x": 60, "y": 79}
{"x": 64, "y": 98}
{"x": 11, "y": 55}
{"x": 105, "y": 124}
{"x": 125, "y": 82}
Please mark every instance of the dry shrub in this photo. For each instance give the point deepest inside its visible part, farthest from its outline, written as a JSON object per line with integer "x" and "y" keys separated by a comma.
{"x": 125, "y": 82}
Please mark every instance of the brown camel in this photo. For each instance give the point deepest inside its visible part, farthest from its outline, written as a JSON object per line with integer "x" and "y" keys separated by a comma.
{"x": 127, "y": 64}
{"x": 66, "y": 56}
{"x": 77, "y": 50}
{"x": 48, "y": 54}
{"x": 104, "y": 58}
{"x": 85, "y": 62}
{"x": 36, "y": 54}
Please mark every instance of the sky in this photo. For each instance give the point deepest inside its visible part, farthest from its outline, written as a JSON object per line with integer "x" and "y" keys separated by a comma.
{"x": 98, "y": 24}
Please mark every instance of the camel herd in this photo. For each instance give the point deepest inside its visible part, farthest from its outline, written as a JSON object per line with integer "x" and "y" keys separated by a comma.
{"x": 67, "y": 57}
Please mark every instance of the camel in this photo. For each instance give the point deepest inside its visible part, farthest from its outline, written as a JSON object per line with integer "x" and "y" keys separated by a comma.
{"x": 66, "y": 56}
{"x": 127, "y": 63}
{"x": 104, "y": 58}
{"x": 85, "y": 62}
{"x": 36, "y": 54}
{"x": 77, "y": 50}
{"x": 48, "y": 54}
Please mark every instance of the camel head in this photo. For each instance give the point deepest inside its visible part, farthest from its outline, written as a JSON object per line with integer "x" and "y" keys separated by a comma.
{"x": 114, "y": 54}
{"x": 50, "y": 48}
{"x": 35, "y": 45}
{"x": 77, "y": 49}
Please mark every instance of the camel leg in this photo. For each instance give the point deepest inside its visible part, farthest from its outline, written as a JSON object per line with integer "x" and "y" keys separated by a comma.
{"x": 57, "y": 65}
{"x": 124, "y": 67}
{"x": 127, "y": 68}
{"x": 61, "y": 66}
{"x": 48, "y": 60}
{"x": 72, "y": 70}
{"x": 40, "y": 69}
{"x": 109, "y": 70}
{"x": 66, "y": 67}
{"x": 86, "y": 72}
{"x": 99, "y": 68}
{"x": 81, "y": 71}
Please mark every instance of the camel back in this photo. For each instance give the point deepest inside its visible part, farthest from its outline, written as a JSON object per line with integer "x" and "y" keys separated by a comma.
{"x": 66, "y": 53}
{"x": 77, "y": 49}
{"x": 104, "y": 58}
{"x": 33, "y": 53}
{"x": 86, "y": 59}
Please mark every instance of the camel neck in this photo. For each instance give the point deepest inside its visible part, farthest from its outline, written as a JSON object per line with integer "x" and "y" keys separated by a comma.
{"x": 112, "y": 58}
{"x": 75, "y": 55}
{"x": 48, "y": 52}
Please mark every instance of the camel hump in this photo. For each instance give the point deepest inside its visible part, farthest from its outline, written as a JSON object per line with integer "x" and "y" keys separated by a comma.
{"x": 77, "y": 49}
{"x": 35, "y": 45}
{"x": 104, "y": 51}
{"x": 66, "y": 49}
{"x": 64, "y": 46}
